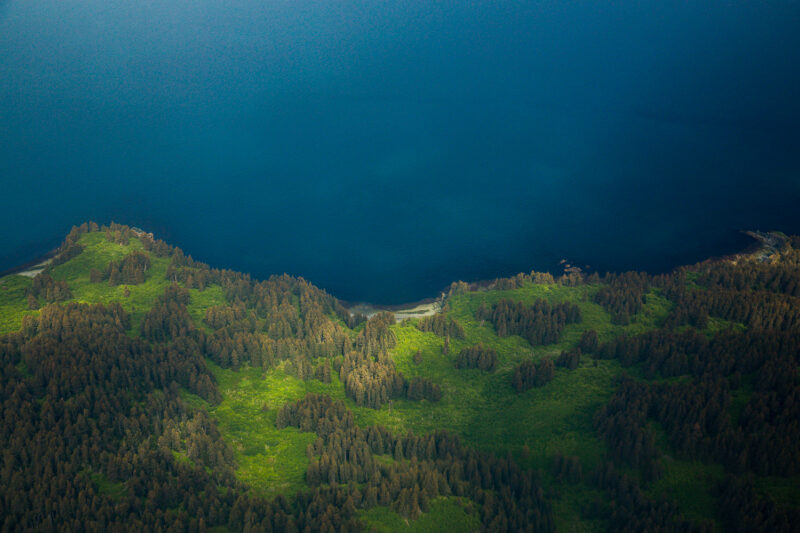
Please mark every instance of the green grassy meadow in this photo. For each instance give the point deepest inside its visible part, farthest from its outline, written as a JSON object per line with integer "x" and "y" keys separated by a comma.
{"x": 13, "y": 302}
{"x": 482, "y": 407}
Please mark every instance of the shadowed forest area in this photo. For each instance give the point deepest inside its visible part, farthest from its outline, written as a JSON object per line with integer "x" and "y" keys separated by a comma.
{"x": 143, "y": 389}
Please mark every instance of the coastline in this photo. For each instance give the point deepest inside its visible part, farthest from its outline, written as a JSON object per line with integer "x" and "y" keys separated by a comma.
{"x": 30, "y": 268}
{"x": 420, "y": 308}
{"x": 767, "y": 244}
{"x": 764, "y": 247}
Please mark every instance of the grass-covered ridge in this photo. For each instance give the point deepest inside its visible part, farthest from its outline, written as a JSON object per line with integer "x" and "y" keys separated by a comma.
{"x": 268, "y": 343}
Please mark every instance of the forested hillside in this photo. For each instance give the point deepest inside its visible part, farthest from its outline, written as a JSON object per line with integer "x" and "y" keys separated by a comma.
{"x": 142, "y": 389}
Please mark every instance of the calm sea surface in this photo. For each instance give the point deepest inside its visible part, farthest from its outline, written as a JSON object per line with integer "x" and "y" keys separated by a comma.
{"x": 382, "y": 149}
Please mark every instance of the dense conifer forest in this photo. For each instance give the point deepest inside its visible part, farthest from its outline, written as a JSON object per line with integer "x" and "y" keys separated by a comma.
{"x": 142, "y": 389}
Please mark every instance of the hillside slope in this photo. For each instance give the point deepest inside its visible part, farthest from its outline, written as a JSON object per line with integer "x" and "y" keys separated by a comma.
{"x": 142, "y": 389}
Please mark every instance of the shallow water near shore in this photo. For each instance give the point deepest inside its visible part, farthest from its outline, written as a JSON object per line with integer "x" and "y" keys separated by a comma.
{"x": 383, "y": 150}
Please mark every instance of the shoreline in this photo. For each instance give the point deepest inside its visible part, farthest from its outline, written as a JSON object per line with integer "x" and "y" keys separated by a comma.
{"x": 764, "y": 245}
{"x": 762, "y": 248}
{"x": 30, "y": 266}
{"x": 420, "y": 308}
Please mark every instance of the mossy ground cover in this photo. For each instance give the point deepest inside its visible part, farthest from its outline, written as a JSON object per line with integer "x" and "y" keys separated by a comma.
{"x": 97, "y": 253}
{"x": 655, "y": 310}
{"x": 199, "y": 301}
{"x": 13, "y": 302}
{"x": 269, "y": 459}
{"x": 482, "y": 407}
{"x": 489, "y": 413}
{"x": 690, "y": 484}
{"x": 106, "y": 486}
{"x": 568, "y": 501}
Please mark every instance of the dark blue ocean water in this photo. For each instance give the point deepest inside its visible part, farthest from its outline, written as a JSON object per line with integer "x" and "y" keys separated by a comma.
{"x": 382, "y": 149}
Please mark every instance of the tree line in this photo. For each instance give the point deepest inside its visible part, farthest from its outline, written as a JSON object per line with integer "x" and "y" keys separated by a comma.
{"x": 735, "y": 401}
{"x": 423, "y": 467}
{"x": 697, "y": 414}
{"x": 44, "y": 287}
{"x": 623, "y": 295}
{"x": 531, "y": 374}
{"x": 541, "y": 323}
{"x": 441, "y": 325}
{"x": 479, "y": 356}
{"x": 130, "y": 270}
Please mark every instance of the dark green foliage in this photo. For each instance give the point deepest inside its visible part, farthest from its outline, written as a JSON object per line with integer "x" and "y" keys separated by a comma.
{"x": 294, "y": 314}
{"x": 118, "y": 236}
{"x": 184, "y": 269}
{"x": 168, "y": 319}
{"x": 588, "y": 342}
{"x": 220, "y": 316}
{"x": 631, "y": 510}
{"x": 664, "y": 352}
{"x": 423, "y": 389}
{"x": 303, "y": 368}
{"x": 290, "y": 307}
{"x": 48, "y": 289}
{"x": 623, "y": 295}
{"x": 157, "y": 247}
{"x": 621, "y": 424}
{"x": 519, "y": 280}
{"x": 283, "y": 331}
{"x": 541, "y": 323}
{"x": 352, "y": 320}
{"x": 125, "y": 422}
{"x": 95, "y": 435}
{"x": 316, "y": 412}
{"x": 424, "y": 467}
{"x": 376, "y": 338}
{"x": 744, "y": 510}
{"x": 756, "y": 310}
{"x": 371, "y": 381}
{"x": 231, "y": 349}
{"x": 130, "y": 270}
{"x": 478, "y": 356}
{"x": 70, "y": 248}
{"x": 530, "y": 374}
{"x": 75, "y": 233}
{"x": 759, "y": 295}
{"x": 567, "y": 468}
{"x": 696, "y": 414}
{"x": 95, "y": 276}
{"x": 62, "y": 422}
{"x": 236, "y": 339}
{"x": 322, "y": 372}
{"x": 369, "y": 374}
{"x": 66, "y": 252}
{"x": 781, "y": 277}
{"x": 442, "y": 326}
{"x": 569, "y": 359}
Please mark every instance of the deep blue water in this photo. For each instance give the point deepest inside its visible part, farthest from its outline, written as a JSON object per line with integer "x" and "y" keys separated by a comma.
{"x": 383, "y": 148}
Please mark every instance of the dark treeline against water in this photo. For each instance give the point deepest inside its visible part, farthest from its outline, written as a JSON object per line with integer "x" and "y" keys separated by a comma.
{"x": 385, "y": 149}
